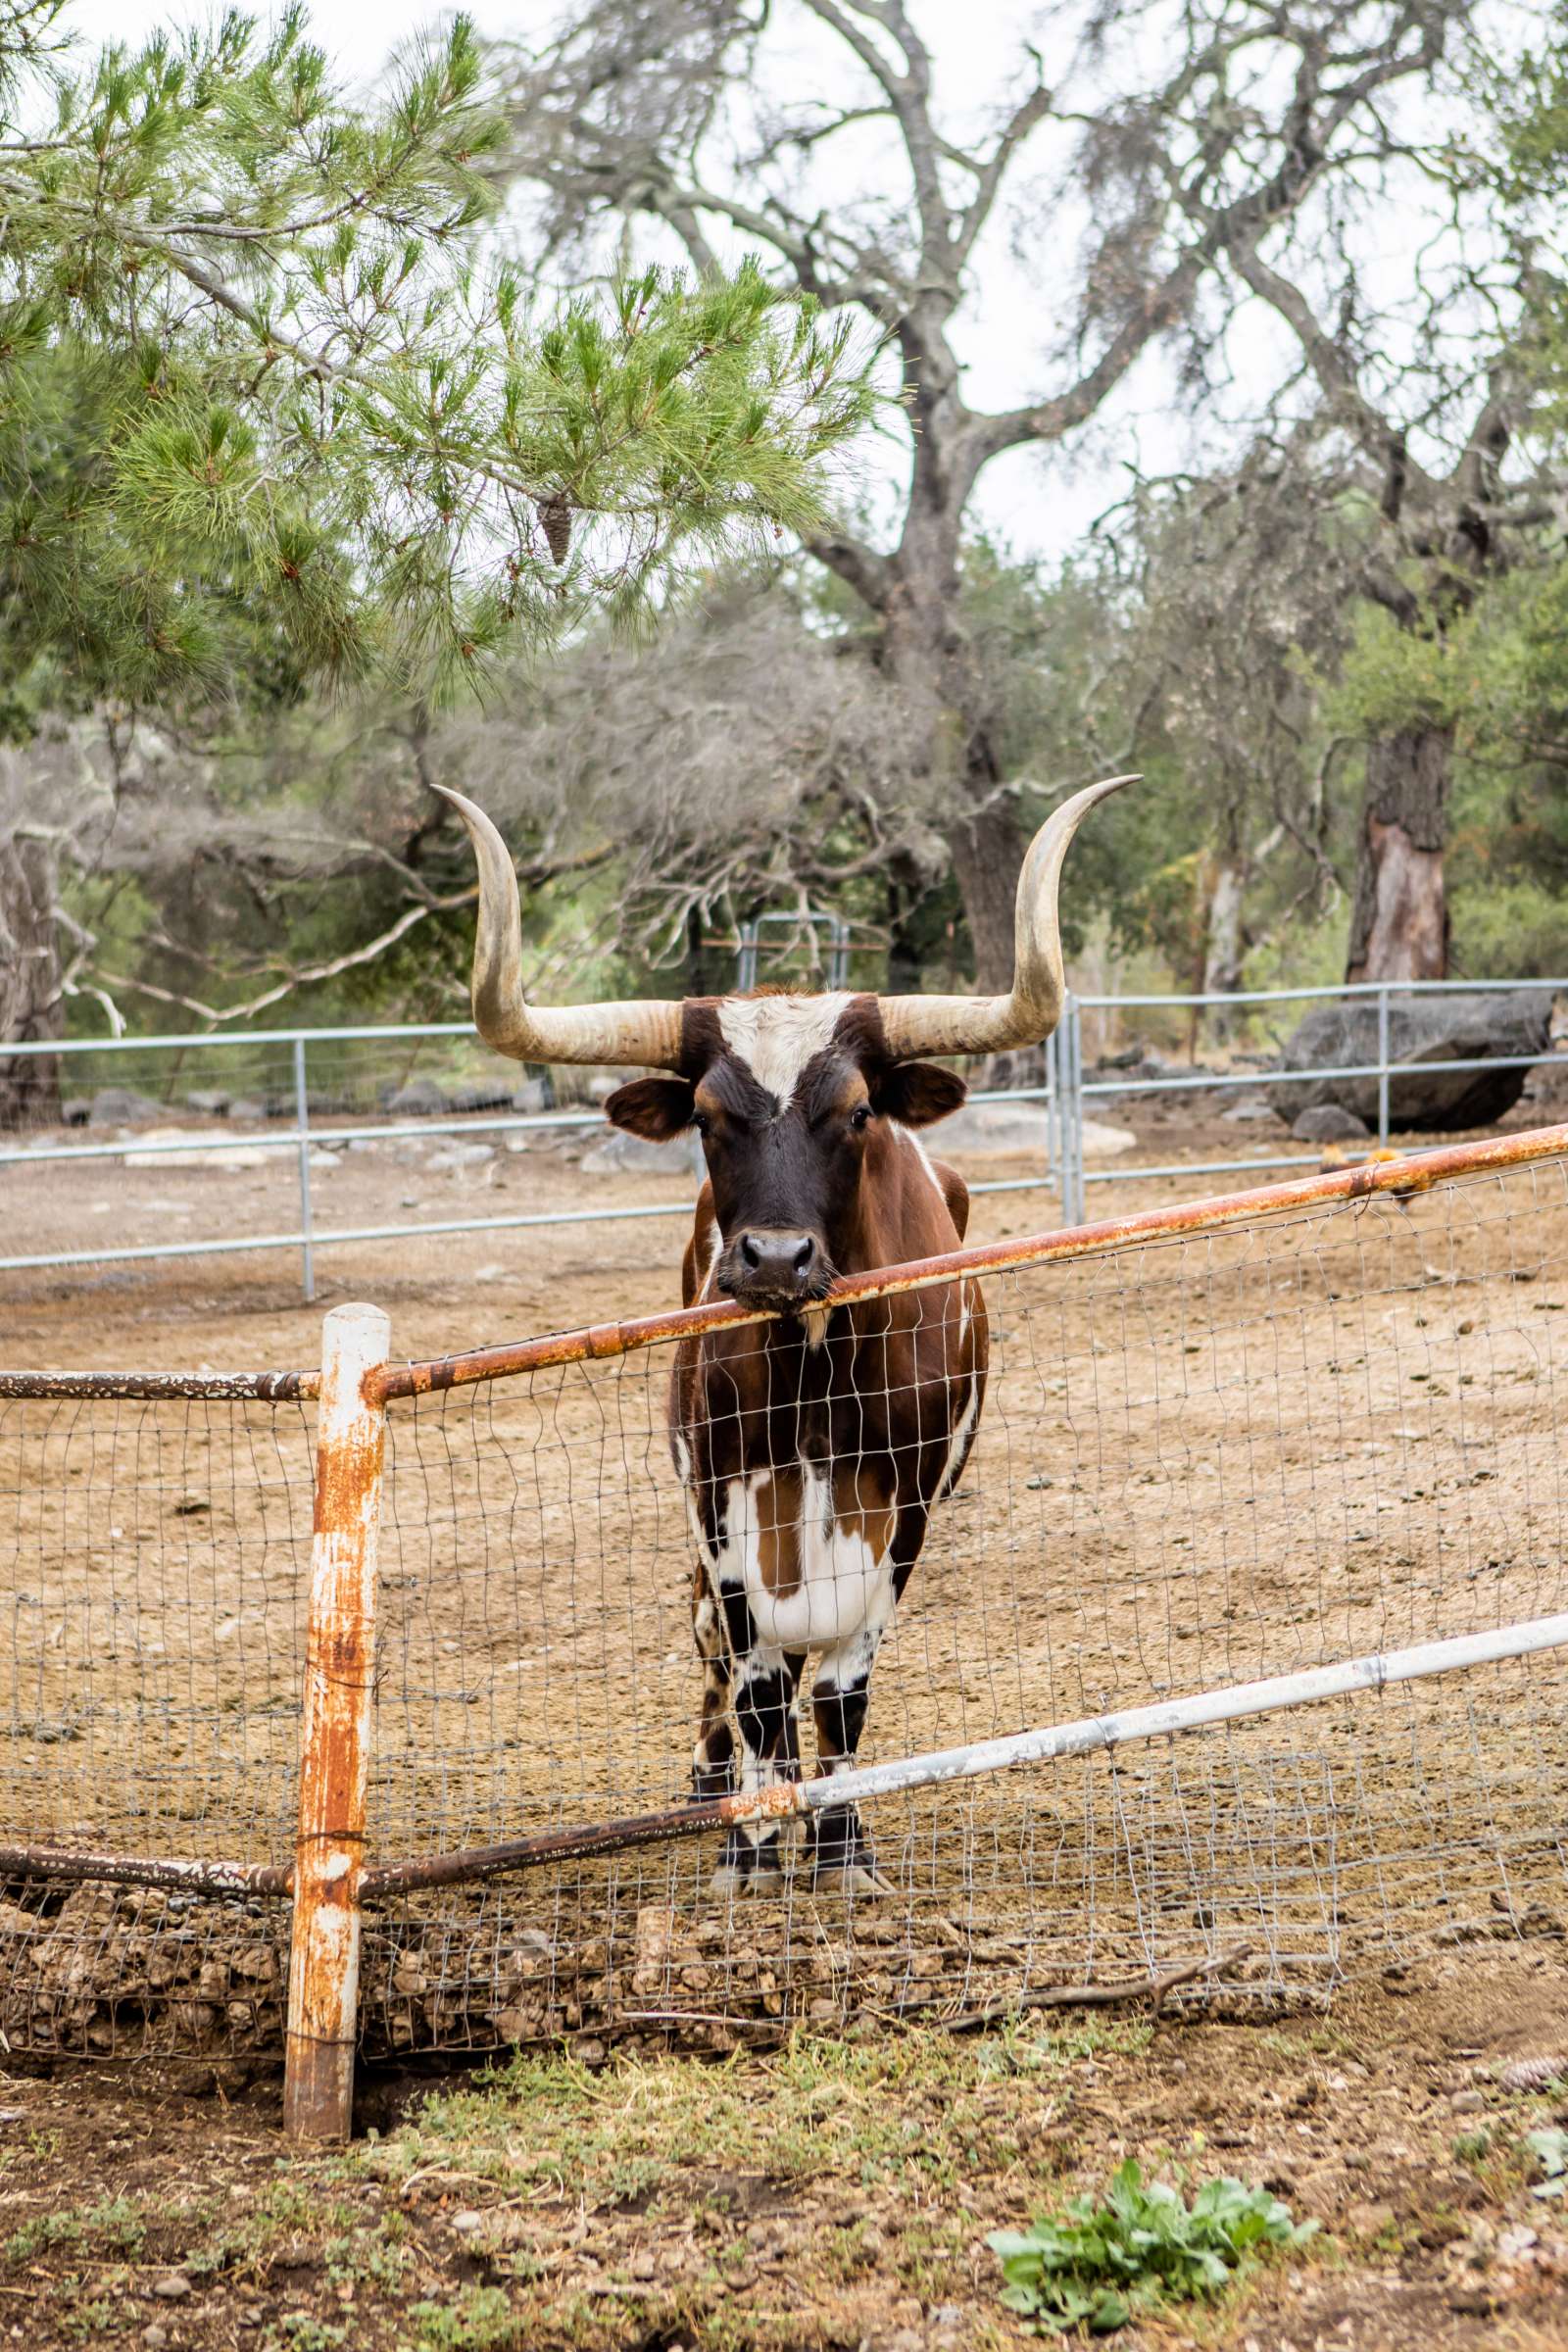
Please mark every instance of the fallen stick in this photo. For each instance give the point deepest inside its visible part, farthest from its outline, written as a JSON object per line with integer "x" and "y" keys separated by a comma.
{"x": 1099, "y": 1997}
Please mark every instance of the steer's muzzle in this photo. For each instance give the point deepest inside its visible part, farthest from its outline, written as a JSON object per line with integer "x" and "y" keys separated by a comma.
{"x": 768, "y": 1265}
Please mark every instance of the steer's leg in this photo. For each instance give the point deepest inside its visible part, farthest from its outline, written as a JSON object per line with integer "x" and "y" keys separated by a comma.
{"x": 766, "y": 1696}
{"x": 841, "y": 1857}
{"x": 714, "y": 1755}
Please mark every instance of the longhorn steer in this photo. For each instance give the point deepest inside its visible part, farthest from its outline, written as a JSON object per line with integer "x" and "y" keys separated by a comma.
{"x": 814, "y": 1446}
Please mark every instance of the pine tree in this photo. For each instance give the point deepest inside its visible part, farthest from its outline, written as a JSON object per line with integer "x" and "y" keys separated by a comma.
{"x": 271, "y": 413}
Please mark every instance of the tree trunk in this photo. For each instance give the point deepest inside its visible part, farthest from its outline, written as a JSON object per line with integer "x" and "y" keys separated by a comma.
{"x": 987, "y": 855}
{"x": 1400, "y": 923}
{"x": 31, "y": 1006}
{"x": 925, "y": 651}
{"x": 906, "y": 973}
{"x": 1222, "y": 944}
{"x": 705, "y": 976}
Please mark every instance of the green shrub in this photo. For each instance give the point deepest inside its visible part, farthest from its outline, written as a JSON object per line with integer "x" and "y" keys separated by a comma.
{"x": 1142, "y": 2245}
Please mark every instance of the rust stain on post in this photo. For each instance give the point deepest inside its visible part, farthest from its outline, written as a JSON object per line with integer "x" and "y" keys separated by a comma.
{"x": 335, "y": 1740}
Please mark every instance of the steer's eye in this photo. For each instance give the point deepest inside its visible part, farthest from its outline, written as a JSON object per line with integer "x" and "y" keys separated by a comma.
{"x": 702, "y": 1122}
{"x": 860, "y": 1117}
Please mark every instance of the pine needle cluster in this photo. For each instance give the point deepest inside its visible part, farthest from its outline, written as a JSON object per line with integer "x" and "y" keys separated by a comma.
{"x": 267, "y": 403}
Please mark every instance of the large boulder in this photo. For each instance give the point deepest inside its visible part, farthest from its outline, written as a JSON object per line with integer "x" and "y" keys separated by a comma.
{"x": 482, "y": 1094}
{"x": 122, "y": 1106}
{"x": 617, "y": 1152}
{"x": 1432, "y": 1034}
{"x": 420, "y": 1099}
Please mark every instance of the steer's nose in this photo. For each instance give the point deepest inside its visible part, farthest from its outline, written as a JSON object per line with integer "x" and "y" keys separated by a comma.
{"x": 782, "y": 1264}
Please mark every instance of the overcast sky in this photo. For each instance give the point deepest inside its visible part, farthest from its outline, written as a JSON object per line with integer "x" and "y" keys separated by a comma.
{"x": 1037, "y": 503}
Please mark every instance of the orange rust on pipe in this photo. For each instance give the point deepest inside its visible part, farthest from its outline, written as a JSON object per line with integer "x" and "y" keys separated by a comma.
{"x": 687, "y": 1820}
{"x": 335, "y": 1739}
{"x": 1402, "y": 1177}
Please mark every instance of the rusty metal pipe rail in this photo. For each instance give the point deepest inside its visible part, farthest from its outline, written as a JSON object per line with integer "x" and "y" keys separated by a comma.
{"x": 215, "y": 1879}
{"x": 223, "y": 1388}
{"x": 1402, "y": 1177}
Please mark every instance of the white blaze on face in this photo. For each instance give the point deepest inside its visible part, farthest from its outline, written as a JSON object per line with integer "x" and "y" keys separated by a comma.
{"x": 777, "y": 1036}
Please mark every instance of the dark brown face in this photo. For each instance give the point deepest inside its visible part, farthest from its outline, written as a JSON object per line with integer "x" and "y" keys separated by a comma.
{"x": 787, "y": 1093}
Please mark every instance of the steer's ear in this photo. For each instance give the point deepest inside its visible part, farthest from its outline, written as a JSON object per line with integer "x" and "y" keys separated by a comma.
{"x": 917, "y": 1093}
{"x": 655, "y": 1108}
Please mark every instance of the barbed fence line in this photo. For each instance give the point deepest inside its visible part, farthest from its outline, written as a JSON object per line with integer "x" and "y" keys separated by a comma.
{"x": 1156, "y": 1392}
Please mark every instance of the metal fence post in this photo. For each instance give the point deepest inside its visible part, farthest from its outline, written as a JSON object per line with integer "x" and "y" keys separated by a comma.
{"x": 1382, "y": 1065}
{"x": 1078, "y": 1106}
{"x": 1052, "y": 1116}
{"x": 323, "y": 1976}
{"x": 302, "y": 1116}
{"x": 1076, "y": 1113}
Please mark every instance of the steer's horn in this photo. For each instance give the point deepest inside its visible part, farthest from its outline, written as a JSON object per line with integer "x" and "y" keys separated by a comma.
{"x": 648, "y": 1034}
{"x": 1032, "y": 1007}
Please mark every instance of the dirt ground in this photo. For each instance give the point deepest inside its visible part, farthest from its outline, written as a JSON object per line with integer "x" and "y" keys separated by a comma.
{"x": 833, "y": 2194}
{"x": 1223, "y": 1461}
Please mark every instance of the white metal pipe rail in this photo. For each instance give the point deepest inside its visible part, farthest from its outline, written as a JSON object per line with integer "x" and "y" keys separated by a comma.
{"x": 1065, "y": 1095}
{"x": 1076, "y": 1090}
{"x": 302, "y": 1136}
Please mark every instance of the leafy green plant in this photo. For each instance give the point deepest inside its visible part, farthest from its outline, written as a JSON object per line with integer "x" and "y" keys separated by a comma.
{"x": 480, "y": 2319}
{"x": 1550, "y": 2148}
{"x": 1141, "y": 2245}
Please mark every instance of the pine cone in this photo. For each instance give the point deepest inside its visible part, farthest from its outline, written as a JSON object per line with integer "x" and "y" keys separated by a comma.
{"x": 1533, "y": 2074}
{"x": 554, "y": 513}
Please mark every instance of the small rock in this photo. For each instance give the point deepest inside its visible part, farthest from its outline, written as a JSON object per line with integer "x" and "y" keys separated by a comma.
{"x": 1516, "y": 2241}
{"x": 207, "y": 1104}
{"x": 1328, "y": 1123}
{"x": 154, "y": 2336}
{"x": 468, "y": 2223}
{"x": 75, "y": 1110}
{"x": 1250, "y": 1110}
{"x": 948, "y": 2315}
{"x": 450, "y": 1157}
{"x": 247, "y": 1108}
{"x": 1467, "y": 2102}
{"x": 534, "y": 1095}
{"x": 172, "y": 2288}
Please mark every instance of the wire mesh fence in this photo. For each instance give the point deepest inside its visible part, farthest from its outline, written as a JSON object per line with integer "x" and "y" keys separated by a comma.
{"x": 158, "y": 1573}
{"x": 1214, "y": 1447}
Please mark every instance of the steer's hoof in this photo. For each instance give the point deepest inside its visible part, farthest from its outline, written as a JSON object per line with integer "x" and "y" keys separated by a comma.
{"x": 747, "y": 1869}
{"x": 842, "y": 1858}
{"x": 853, "y": 1881}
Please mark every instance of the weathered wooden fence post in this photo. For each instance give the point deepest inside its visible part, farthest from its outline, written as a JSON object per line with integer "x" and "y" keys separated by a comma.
{"x": 324, "y": 1977}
